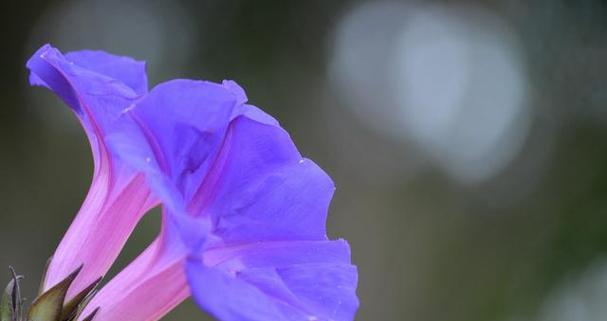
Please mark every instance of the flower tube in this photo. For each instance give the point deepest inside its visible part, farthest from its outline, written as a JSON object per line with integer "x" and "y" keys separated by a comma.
{"x": 97, "y": 87}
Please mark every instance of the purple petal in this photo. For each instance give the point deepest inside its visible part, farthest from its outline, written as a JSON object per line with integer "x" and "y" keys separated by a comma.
{"x": 118, "y": 196}
{"x": 232, "y": 299}
{"x": 284, "y": 281}
{"x": 125, "y": 69}
{"x": 181, "y": 124}
{"x": 256, "y": 114}
{"x": 261, "y": 189}
{"x": 98, "y": 99}
{"x": 268, "y": 258}
{"x": 231, "y": 85}
{"x": 278, "y": 254}
{"x": 173, "y": 136}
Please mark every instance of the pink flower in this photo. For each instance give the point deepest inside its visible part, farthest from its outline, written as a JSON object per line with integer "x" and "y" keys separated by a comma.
{"x": 97, "y": 87}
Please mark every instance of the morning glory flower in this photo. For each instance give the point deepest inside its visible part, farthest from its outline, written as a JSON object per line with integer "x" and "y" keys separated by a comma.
{"x": 269, "y": 257}
{"x": 97, "y": 86}
{"x": 243, "y": 212}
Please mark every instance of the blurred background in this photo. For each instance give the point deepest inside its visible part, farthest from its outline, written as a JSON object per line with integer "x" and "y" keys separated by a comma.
{"x": 467, "y": 139}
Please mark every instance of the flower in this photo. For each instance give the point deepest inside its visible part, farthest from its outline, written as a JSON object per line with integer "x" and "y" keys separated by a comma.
{"x": 243, "y": 213}
{"x": 97, "y": 87}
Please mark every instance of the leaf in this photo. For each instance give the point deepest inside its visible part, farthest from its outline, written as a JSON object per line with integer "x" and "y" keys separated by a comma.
{"x": 48, "y": 306}
{"x": 70, "y": 309}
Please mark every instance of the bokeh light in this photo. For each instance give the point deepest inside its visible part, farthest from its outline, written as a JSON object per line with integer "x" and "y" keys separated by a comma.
{"x": 579, "y": 298}
{"x": 451, "y": 79}
{"x": 462, "y": 89}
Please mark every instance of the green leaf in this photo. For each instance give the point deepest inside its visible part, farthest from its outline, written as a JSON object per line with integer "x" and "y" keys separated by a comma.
{"x": 48, "y": 306}
{"x": 70, "y": 309}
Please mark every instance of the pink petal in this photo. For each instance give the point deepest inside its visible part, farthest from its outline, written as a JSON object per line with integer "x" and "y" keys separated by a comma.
{"x": 152, "y": 285}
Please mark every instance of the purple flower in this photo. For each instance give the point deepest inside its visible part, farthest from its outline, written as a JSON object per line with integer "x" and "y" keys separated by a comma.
{"x": 243, "y": 213}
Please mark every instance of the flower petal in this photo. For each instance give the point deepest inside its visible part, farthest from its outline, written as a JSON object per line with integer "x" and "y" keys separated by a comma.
{"x": 172, "y": 135}
{"x": 152, "y": 285}
{"x": 125, "y": 69}
{"x": 289, "y": 281}
{"x": 118, "y": 196}
{"x": 181, "y": 124}
{"x": 268, "y": 258}
{"x": 261, "y": 189}
{"x": 277, "y": 254}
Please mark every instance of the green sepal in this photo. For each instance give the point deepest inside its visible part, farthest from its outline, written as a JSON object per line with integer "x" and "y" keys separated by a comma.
{"x": 91, "y": 316}
{"x": 41, "y": 287}
{"x": 83, "y": 305}
{"x": 11, "y": 304}
{"x": 71, "y": 308}
{"x": 6, "y": 303}
{"x": 48, "y": 306}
